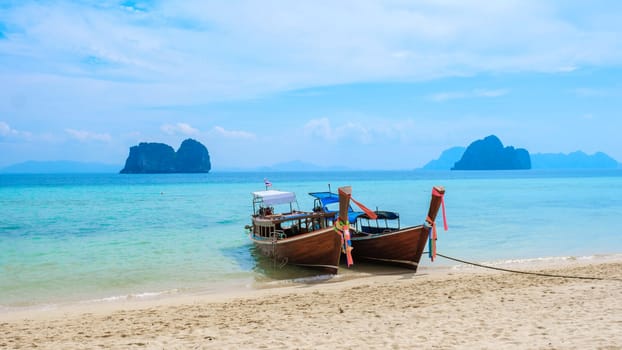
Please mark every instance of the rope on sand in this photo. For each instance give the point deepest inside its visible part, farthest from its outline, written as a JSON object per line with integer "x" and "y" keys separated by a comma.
{"x": 528, "y": 272}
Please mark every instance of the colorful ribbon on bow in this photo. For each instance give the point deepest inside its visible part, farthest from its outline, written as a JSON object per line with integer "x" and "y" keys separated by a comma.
{"x": 432, "y": 232}
{"x": 346, "y": 243}
{"x": 371, "y": 214}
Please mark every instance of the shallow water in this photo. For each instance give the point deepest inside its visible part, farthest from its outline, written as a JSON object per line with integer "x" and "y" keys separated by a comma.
{"x": 69, "y": 237}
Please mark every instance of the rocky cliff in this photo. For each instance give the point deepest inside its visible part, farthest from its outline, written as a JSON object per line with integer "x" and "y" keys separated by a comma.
{"x": 489, "y": 154}
{"x": 154, "y": 158}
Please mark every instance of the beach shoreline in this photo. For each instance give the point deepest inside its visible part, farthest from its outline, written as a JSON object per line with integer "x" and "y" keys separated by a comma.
{"x": 222, "y": 290}
{"x": 433, "y": 308}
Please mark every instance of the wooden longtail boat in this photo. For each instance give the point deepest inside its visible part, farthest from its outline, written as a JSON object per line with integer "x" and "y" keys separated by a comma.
{"x": 381, "y": 239}
{"x": 294, "y": 237}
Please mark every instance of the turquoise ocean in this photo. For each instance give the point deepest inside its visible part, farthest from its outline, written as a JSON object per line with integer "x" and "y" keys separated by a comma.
{"x": 68, "y": 238}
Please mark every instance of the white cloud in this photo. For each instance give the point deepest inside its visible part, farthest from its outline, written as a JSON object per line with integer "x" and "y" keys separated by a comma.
{"x": 566, "y": 69}
{"x": 445, "y": 96}
{"x": 233, "y": 134}
{"x": 85, "y": 136}
{"x": 490, "y": 93}
{"x": 7, "y": 131}
{"x": 597, "y": 92}
{"x": 320, "y": 128}
{"x": 365, "y": 132}
{"x": 179, "y": 128}
{"x": 187, "y": 52}
{"x": 477, "y": 93}
{"x": 157, "y": 62}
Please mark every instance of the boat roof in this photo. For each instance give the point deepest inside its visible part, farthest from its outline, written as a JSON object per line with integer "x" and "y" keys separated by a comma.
{"x": 325, "y": 197}
{"x": 273, "y": 197}
{"x": 330, "y": 197}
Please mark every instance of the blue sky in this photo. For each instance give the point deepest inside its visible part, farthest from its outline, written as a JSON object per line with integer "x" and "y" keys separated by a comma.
{"x": 363, "y": 84}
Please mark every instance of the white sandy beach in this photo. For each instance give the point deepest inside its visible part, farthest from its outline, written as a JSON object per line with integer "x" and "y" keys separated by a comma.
{"x": 470, "y": 309}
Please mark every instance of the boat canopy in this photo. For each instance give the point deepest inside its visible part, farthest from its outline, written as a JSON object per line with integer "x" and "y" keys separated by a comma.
{"x": 272, "y": 197}
{"x": 325, "y": 197}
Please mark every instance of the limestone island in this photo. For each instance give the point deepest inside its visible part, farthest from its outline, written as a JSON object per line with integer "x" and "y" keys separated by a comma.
{"x": 489, "y": 154}
{"x": 159, "y": 158}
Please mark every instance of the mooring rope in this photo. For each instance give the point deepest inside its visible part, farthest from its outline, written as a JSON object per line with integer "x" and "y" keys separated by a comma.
{"x": 527, "y": 272}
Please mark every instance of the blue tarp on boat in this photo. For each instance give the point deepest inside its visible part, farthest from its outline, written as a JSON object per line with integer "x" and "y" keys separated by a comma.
{"x": 326, "y": 198}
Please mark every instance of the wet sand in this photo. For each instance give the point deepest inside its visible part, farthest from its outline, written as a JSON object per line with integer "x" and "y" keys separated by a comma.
{"x": 457, "y": 308}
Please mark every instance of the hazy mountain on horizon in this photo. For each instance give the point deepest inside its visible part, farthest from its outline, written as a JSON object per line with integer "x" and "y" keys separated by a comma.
{"x": 446, "y": 161}
{"x": 67, "y": 166}
{"x": 60, "y": 166}
{"x": 297, "y": 165}
{"x": 573, "y": 160}
{"x": 294, "y": 165}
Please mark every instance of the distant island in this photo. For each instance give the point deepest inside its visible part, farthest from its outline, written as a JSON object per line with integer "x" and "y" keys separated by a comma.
{"x": 489, "y": 154}
{"x": 446, "y": 161}
{"x": 193, "y": 157}
{"x": 158, "y": 158}
{"x": 574, "y": 160}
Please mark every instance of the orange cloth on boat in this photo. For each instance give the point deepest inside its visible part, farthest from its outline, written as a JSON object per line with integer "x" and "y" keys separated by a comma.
{"x": 367, "y": 211}
{"x": 433, "y": 234}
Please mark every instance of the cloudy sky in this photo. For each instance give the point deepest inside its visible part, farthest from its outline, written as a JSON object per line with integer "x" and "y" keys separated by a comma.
{"x": 363, "y": 84}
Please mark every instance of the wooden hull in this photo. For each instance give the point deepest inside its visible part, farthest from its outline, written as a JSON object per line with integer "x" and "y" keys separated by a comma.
{"x": 318, "y": 249}
{"x": 403, "y": 247}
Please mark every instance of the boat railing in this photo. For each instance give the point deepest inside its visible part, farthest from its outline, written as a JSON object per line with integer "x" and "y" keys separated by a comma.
{"x": 378, "y": 229}
{"x": 263, "y": 228}
{"x": 285, "y": 225}
{"x": 279, "y": 234}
